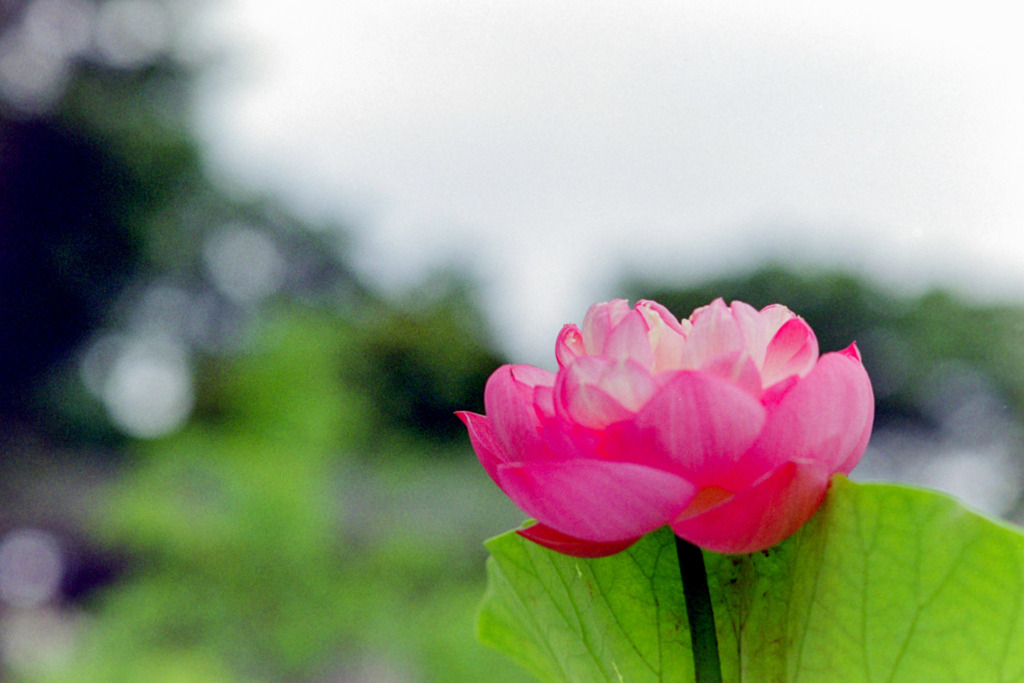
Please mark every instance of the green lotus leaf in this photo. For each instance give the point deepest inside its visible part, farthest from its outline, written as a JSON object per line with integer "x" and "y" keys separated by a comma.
{"x": 884, "y": 583}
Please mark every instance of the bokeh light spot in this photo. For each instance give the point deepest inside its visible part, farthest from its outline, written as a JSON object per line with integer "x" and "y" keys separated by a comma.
{"x": 31, "y": 79}
{"x": 130, "y": 33}
{"x": 31, "y": 567}
{"x": 61, "y": 27}
{"x": 244, "y": 263}
{"x": 148, "y": 391}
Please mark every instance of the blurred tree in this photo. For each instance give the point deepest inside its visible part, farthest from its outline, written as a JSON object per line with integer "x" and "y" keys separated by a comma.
{"x": 74, "y": 205}
{"x": 65, "y": 248}
{"x": 109, "y": 229}
{"x": 427, "y": 357}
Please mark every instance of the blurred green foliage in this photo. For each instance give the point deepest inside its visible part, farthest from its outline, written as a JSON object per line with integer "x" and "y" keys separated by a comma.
{"x": 278, "y": 537}
{"x": 424, "y": 359}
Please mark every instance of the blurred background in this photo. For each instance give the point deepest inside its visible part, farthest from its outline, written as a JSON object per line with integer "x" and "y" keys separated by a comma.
{"x": 254, "y": 255}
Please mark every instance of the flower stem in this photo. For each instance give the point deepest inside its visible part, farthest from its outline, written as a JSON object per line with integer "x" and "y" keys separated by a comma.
{"x": 703, "y": 640}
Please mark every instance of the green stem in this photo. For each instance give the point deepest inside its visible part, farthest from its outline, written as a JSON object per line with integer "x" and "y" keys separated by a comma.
{"x": 703, "y": 640}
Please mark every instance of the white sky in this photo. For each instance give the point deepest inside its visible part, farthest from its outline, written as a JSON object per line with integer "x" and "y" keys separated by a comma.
{"x": 555, "y": 146}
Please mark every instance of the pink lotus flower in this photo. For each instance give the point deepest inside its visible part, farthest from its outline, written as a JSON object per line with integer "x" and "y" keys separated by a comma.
{"x": 726, "y": 426}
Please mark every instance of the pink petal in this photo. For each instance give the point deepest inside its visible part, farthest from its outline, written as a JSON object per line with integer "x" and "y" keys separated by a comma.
{"x": 599, "y": 322}
{"x": 544, "y": 401}
{"x": 774, "y": 394}
{"x": 773, "y": 317}
{"x": 760, "y": 516}
{"x": 569, "y": 345}
{"x": 649, "y": 309}
{"x": 737, "y": 368}
{"x": 568, "y": 545}
{"x": 852, "y": 351}
{"x": 509, "y": 401}
{"x": 629, "y": 340}
{"x": 580, "y": 399}
{"x": 714, "y": 332}
{"x": 825, "y": 417}
{"x": 528, "y": 377}
{"x": 698, "y": 425}
{"x": 666, "y": 335}
{"x": 792, "y": 351}
{"x": 752, "y": 328}
{"x": 482, "y": 439}
{"x": 596, "y": 500}
{"x": 629, "y": 383}
{"x": 847, "y": 465}
{"x": 595, "y": 391}
{"x": 565, "y": 439}
{"x": 757, "y": 328}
